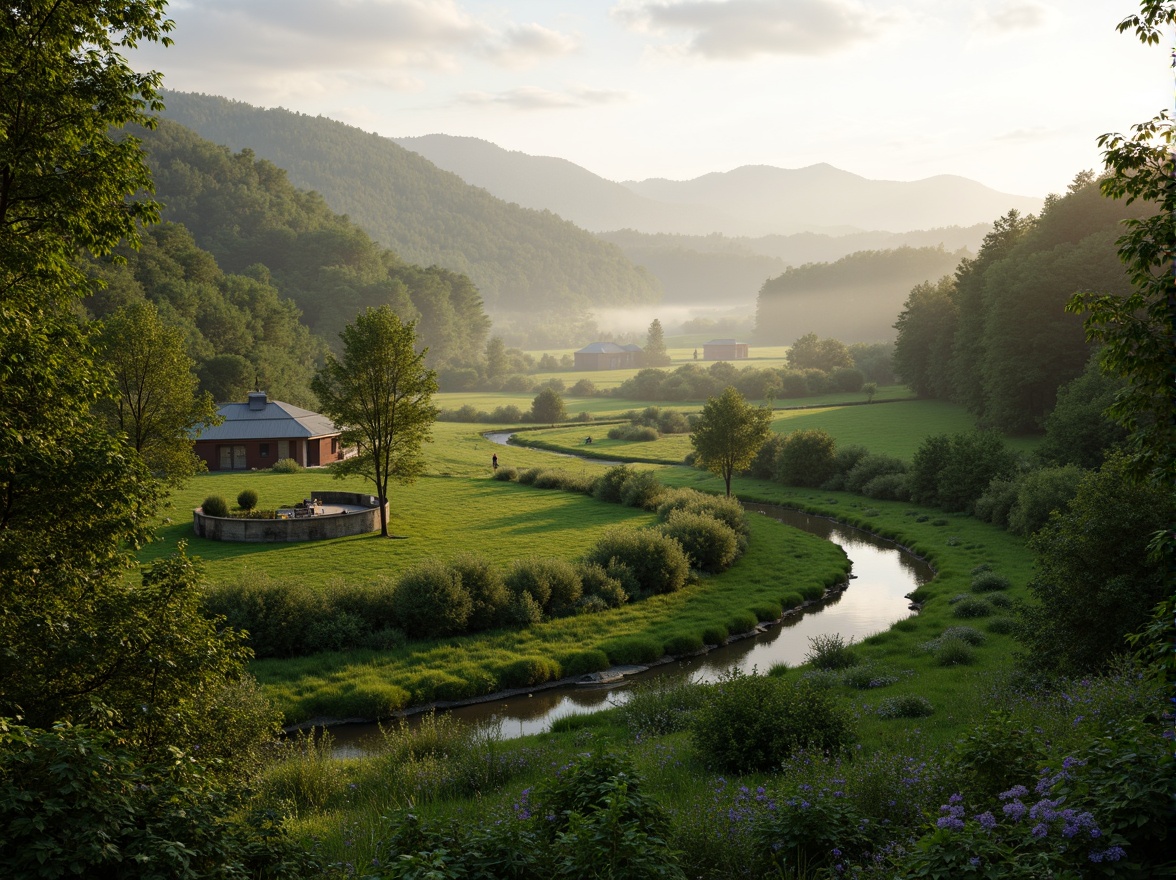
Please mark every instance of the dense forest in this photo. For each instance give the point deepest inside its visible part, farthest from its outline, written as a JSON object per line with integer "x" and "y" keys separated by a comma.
{"x": 994, "y": 335}
{"x": 523, "y": 261}
{"x": 853, "y": 299}
{"x": 261, "y": 276}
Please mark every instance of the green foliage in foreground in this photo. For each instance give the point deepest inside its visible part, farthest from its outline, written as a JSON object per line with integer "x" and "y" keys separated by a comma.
{"x": 1072, "y": 780}
{"x": 78, "y": 802}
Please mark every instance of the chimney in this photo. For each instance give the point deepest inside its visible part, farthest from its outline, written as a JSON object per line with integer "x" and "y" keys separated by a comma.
{"x": 257, "y": 400}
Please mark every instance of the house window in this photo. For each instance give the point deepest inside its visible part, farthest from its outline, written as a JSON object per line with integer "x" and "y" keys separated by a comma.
{"x": 334, "y": 446}
{"x": 263, "y": 450}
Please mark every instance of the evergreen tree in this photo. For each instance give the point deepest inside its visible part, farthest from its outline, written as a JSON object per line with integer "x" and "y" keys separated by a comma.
{"x": 655, "y": 346}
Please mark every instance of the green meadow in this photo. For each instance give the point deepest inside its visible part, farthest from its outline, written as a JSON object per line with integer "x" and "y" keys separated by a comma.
{"x": 457, "y": 507}
{"x": 895, "y": 428}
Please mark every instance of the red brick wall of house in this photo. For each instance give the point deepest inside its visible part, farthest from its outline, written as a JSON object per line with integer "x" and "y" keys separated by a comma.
{"x": 260, "y": 454}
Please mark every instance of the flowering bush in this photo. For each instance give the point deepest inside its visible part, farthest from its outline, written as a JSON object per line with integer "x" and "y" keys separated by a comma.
{"x": 1041, "y": 838}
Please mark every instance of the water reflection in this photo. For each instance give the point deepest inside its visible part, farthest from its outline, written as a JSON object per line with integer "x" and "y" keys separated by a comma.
{"x": 875, "y": 599}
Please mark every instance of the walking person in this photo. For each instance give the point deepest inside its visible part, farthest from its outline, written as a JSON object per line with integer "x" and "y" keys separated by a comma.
{"x": 494, "y": 461}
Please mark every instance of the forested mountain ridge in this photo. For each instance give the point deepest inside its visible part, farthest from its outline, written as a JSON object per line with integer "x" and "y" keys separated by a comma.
{"x": 995, "y": 336}
{"x": 853, "y": 299}
{"x": 260, "y": 276}
{"x": 521, "y": 260}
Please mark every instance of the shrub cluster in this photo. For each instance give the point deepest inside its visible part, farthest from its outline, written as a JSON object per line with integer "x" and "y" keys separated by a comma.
{"x": 647, "y": 558}
{"x": 215, "y": 505}
{"x": 635, "y": 433}
{"x": 696, "y": 382}
{"x": 247, "y": 499}
{"x": 753, "y": 723}
{"x": 289, "y": 619}
{"x": 830, "y": 651}
{"x": 286, "y": 466}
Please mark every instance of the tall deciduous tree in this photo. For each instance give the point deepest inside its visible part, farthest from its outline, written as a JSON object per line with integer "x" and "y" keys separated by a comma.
{"x": 1136, "y": 330}
{"x": 156, "y": 404}
{"x": 78, "y": 640}
{"x": 655, "y": 346}
{"x": 380, "y": 393}
{"x": 811, "y": 352}
{"x": 729, "y": 433}
{"x": 548, "y": 407}
{"x": 925, "y": 328}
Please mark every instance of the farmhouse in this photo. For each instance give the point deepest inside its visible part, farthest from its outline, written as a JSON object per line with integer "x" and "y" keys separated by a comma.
{"x": 259, "y": 432}
{"x": 608, "y": 356}
{"x": 724, "y": 350}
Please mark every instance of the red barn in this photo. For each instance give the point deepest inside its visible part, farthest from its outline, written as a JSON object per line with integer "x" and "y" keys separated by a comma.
{"x": 259, "y": 432}
{"x": 724, "y": 350}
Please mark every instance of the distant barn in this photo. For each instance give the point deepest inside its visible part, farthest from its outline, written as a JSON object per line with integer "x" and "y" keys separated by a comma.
{"x": 258, "y": 433}
{"x": 608, "y": 356}
{"x": 724, "y": 350}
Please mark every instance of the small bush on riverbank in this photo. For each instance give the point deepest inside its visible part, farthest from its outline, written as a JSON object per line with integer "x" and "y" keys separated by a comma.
{"x": 656, "y": 561}
{"x": 553, "y": 583}
{"x": 710, "y": 545}
{"x": 906, "y": 706}
{"x": 755, "y": 722}
{"x": 636, "y": 433}
{"x": 723, "y": 508}
{"x": 430, "y": 601}
{"x": 831, "y": 651}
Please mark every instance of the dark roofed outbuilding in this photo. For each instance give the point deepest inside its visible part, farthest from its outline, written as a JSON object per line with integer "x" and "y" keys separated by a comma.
{"x": 261, "y": 431}
{"x": 724, "y": 350}
{"x": 608, "y": 356}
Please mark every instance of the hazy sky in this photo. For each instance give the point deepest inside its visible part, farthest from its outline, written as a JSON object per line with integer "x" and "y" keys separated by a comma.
{"x": 1012, "y": 93}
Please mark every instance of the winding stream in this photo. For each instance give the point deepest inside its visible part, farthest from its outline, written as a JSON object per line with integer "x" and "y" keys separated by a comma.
{"x": 883, "y": 573}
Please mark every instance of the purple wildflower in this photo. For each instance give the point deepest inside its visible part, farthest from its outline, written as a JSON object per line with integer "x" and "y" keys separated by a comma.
{"x": 1017, "y": 791}
{"x": 1015, "y": 811}
{"x": 1040, "y": 830}
{"x": 987, "y": 821}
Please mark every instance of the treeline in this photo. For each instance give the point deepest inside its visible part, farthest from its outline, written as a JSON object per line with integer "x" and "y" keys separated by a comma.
{"x": 854, "y": 299}
{"x": 531, "y": 263}
{"x": 994, "y": 336}
{"x": 863, "y": 364}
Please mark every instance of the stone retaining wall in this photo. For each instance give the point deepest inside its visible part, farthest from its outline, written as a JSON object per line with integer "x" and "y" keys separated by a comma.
{"x": 309, "y": 528}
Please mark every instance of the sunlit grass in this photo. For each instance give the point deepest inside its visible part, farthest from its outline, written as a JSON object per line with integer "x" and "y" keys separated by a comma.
{"x": 893, "y": 428}
{"x": 437, "y": 516}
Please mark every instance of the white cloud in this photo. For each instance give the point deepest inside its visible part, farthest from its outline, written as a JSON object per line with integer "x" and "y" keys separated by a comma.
{"x": 524, "y": 45}
{"x": 741, "y": 29}
{"x": 1010, "y": 16}
{"x": 535, "y": 98}
{"x": 283, "y": 48}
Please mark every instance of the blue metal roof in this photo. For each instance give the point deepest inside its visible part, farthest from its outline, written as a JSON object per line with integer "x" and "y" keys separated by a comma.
{"x": 276, "y": 420}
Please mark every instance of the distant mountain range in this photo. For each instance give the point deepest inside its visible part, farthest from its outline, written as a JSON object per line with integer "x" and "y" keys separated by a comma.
{"x": 517, "y": 224}
{"x": 753, "y": 200}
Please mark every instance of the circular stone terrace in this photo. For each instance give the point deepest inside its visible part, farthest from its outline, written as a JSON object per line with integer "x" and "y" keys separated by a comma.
{"x": 324, "y": 515}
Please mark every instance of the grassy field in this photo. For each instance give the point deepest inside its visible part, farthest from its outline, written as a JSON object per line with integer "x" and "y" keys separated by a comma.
{"x": 894, "y": 428}
{"x": 608, "y": 407}
{"x": 344, "y": 803}
{"x": 458, "y": 507}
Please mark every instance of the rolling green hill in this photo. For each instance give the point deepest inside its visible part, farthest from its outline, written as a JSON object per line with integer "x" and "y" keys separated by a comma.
{"x": 521, "y": 260}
